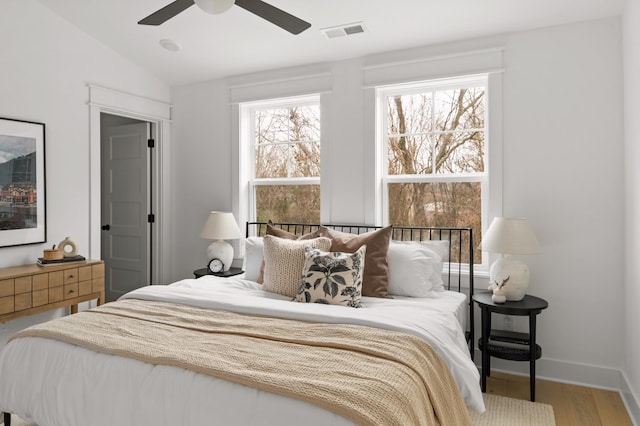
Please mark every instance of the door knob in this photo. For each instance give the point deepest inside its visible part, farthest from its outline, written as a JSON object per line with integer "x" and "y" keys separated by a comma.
{"x": 105, "y": 227}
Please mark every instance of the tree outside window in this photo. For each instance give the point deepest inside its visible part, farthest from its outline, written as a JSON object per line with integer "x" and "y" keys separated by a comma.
{"x": 435, "y": 142}
{"x": 286, "y": 173}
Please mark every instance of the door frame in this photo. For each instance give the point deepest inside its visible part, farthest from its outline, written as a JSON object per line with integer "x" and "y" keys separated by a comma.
{"x": 104, "y": 100}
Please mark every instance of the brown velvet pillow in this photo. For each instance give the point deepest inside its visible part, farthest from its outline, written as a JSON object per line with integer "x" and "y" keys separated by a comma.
{"x": 281, "y": 233}
{"x": 376, "y": 269}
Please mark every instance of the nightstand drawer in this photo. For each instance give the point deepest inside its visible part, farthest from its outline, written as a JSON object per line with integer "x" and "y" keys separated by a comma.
{"x": 40, "y": 297}
{"x": 56, "y": 279}
{"x": 22, "y": 301}
{"x": 56, "y": 294}
{"x": 84, "y": 287}
{"x": 7, "y": 287}
{"x": 84, "y": 273}
{"x": 6, "y": 305}
{"x": 40, "y": 282}
{"x": 70, "y": 276}
{"x": 71, "y": 291}
{"x": 23, "y": 285}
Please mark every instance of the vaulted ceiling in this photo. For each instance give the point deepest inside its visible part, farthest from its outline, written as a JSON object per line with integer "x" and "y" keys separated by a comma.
{"x": 238, "y": 42}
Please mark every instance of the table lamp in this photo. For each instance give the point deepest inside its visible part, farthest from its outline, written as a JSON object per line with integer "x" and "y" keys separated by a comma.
{"x": 221, "y": 226}
{"x": 510, "y": 236}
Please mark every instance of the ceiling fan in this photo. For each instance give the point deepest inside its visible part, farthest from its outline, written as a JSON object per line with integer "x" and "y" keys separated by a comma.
{"x": 264, "y": 10}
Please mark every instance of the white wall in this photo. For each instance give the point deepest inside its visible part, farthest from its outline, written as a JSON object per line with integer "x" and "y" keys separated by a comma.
{"x": 45, "y": 66}
{"x": 201, "y": 161}
{"x": 631, "y": 337}
{"x": 563, "y": 168}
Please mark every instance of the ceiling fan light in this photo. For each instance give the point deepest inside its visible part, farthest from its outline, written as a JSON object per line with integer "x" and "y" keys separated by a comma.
{"x": 215, "y": 7}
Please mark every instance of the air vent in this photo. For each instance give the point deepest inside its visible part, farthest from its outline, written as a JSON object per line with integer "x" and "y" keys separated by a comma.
{"x": 343, "y": 30}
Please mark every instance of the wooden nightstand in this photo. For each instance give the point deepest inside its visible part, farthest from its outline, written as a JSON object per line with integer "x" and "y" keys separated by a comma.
{"x": 205, "y": 271}
{"x": 506, "y": 344}
{"x": 32, "y": 289}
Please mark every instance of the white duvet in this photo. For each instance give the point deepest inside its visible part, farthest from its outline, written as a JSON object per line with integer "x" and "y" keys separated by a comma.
{"x": 58, "y": 384}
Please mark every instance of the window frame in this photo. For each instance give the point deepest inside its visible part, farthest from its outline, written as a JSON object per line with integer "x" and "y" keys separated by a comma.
{"x": 248, "y": 115}
{"x": 490, "y": 180}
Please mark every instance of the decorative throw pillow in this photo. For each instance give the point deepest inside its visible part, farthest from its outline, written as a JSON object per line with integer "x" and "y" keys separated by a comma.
{"x": 375, "y": 281}
{"x": 281, "y": 233}
{"x": 433, "y": 252}
{"x": 332, "y": 278}
{"x": 277, "y": 232}
{"x": 284, "y": 260}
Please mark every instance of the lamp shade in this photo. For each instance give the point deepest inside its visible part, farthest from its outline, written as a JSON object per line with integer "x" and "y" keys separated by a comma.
{"x": 221, "y": 226}
{"x": 215, "y": 7}
{"x": 510, "y": 235}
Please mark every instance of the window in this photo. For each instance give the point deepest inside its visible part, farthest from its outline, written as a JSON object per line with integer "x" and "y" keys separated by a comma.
{"x": 284, "y": 182}
{"x": 434, "y": 141}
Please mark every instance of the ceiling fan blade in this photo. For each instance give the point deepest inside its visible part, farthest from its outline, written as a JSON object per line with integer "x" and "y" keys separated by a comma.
{"x": 274, "y": 15}
{"x": 169, "y": 11}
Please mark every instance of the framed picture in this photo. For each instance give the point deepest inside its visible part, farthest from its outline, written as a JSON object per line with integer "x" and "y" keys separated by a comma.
{"x": 22, "y": 183}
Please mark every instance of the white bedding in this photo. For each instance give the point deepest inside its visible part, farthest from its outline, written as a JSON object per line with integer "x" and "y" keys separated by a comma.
{"x": 70, "y": 385}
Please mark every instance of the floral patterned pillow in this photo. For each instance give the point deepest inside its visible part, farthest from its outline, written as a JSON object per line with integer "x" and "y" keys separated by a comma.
{"x": 332, "y": 278}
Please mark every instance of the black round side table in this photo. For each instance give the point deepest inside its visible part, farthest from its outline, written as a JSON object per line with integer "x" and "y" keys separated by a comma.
{"x": 508, "y": 344}
{"x": 205, "y": 271}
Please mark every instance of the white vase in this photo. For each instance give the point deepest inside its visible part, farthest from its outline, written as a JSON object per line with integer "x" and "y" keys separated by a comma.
{"x": 222, "y": 250}
{"x": 517, "y": 273}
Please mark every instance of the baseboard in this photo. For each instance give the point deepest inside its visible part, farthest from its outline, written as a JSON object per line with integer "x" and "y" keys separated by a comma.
{"x": 575, "y": 374}
{"x": 630, "y": 401}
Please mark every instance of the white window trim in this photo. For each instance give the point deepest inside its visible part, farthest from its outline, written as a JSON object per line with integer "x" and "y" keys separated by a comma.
{"x": 246, "y": 153}
{"x": 491, "y": 180}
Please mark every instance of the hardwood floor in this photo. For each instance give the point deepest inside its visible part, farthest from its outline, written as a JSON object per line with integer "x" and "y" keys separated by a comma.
{"x": 572, "y": 405}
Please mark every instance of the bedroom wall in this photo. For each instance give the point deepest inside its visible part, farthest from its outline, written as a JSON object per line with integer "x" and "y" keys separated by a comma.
{"x": 46, "y": 64}
{"x": 631, "y": 34}
{"x": 563, "y": 168}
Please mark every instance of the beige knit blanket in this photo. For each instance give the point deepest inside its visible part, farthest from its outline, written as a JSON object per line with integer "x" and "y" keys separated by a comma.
{"x": 368, "y": 375}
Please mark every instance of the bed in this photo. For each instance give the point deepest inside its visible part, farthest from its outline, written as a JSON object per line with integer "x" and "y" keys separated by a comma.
{"x": 231, "y": 351}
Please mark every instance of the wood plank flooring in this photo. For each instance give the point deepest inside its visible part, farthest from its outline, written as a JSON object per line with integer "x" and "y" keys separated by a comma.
{"x": 572, "y": 405}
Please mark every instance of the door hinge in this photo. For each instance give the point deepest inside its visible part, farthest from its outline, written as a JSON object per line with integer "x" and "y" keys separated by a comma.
{"x": 151, "y": 143}
{"x": 151, "y": 218}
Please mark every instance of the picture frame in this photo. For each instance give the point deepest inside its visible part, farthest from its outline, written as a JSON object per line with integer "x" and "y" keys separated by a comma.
{"x": 22, "y": 183}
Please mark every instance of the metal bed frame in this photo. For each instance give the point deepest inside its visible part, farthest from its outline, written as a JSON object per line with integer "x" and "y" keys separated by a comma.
{"x": 460, "y": 251}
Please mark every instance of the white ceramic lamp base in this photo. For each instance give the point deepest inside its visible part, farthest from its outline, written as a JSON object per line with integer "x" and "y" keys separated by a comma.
{"x": 518, "y": 274}
{"x": 222, "y": 250}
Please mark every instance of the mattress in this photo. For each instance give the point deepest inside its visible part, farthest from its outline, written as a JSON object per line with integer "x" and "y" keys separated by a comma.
{"x": 72, "y": 385}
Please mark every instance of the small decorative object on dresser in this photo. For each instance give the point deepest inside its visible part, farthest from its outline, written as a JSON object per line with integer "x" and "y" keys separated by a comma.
{"x": 52, "y": 254}
{"x": 221, "y": 226}
{"x": 72, "y": 248}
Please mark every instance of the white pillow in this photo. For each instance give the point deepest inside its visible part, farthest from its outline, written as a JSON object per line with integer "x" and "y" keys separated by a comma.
{"x": 254, "y": 252}
{"x": 415, "y": 267}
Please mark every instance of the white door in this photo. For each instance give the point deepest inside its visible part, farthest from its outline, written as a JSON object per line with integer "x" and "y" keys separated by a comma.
{"x": 125, "y": 241}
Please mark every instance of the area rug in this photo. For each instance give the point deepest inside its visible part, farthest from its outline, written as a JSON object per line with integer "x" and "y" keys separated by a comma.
{"x": 502, "y": 411}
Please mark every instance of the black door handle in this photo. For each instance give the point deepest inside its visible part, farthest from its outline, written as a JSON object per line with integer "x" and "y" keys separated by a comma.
{"x": 105, "y": 227}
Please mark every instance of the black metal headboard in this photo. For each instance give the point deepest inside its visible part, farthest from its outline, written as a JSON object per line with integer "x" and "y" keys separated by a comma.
{"x": 459, "y": 262}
